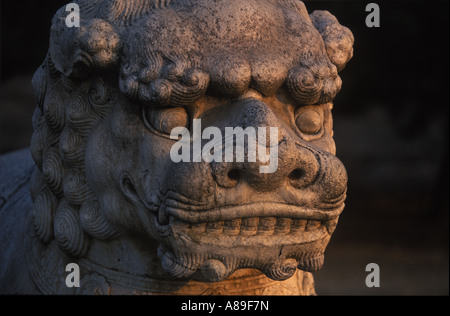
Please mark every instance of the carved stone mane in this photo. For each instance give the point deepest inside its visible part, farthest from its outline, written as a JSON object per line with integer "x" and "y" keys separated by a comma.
{"x": 105, "y": 193}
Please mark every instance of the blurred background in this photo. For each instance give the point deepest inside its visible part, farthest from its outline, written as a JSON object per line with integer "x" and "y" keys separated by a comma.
{"x": 391, "y": 131}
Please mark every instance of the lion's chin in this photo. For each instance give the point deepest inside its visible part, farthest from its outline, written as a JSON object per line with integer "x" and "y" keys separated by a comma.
{"x": 209, "y": 245}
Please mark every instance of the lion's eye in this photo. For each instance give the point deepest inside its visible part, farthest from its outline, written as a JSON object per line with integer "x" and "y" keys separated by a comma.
{"x": 309, "y": 120}
{"x": 165, "y": 120}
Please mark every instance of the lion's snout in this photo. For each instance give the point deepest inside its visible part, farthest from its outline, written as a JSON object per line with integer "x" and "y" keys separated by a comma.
{"x": 249, "y": 138}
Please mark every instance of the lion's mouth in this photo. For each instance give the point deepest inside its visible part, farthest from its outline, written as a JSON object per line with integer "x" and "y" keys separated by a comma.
{"x": 269, "y": 236}
{"x": 263, "y": 226}
{"x": 259, "y": 209}
{"x": 260, "y": 218}
{"x": 263, "y": 219}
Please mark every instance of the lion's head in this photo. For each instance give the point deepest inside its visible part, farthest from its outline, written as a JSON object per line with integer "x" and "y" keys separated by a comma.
{"x": 110, "y": 92}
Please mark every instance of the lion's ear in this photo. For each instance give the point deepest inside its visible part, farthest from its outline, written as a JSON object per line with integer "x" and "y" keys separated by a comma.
{"x": 77, "y": 51}
{"x": 337, "y": 38}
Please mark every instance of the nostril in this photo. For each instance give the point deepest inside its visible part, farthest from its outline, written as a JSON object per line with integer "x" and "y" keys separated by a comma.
{"x": 296, "y": 175}
{"x": 234, "y": 175}
{"x": 297, "y": 178}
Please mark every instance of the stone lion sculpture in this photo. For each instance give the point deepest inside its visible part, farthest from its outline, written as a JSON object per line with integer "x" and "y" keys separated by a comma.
{"x": 105, "y": 193}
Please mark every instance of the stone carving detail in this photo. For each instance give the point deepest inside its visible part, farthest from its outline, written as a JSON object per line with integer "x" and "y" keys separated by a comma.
{"x": 106, "y": 193}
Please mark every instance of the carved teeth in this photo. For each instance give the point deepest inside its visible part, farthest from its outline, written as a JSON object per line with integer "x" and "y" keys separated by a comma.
{"x": 249, "y": 226}
{"x": 232, "y": 227}
{"x": 215, "y": 227}
{"x": 267, "y": 225}
{"x": 331, "y": 225}
{"x": 283, "y": 225}
{"x": 264, "y": 226}
{"x": 199, "y": 228}
{"x": 312, "y": 225}
{"x": 299, "y": 225}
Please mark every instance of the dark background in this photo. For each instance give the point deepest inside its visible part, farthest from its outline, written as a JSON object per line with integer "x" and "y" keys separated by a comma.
{"x": 391, "y": 131}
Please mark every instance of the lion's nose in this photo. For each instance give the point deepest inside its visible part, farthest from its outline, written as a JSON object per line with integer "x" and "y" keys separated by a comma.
{"x": 296, "y": 167}
{"x": 279, "y": 159}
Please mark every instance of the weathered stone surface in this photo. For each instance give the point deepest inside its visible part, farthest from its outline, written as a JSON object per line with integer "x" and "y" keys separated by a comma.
{"x": 106, "y": 192}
